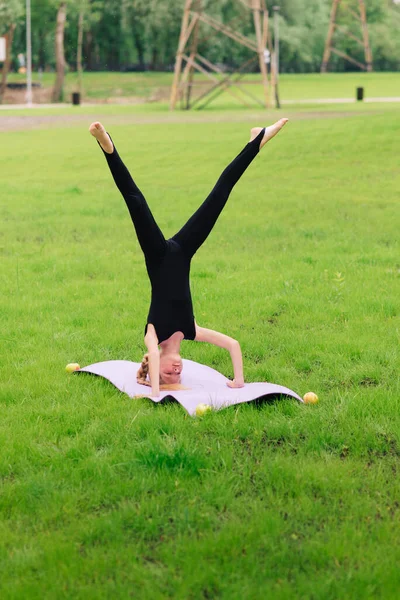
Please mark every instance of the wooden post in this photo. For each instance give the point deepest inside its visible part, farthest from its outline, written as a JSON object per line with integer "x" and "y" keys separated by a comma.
{"x": 367, "y": 47}
{"x": 328, "y": 43}
{"x": 361, "y": 18}
{"x": 193, "y": 51}
{"x": 179, "y": 54}
{"x": 219, "y": 87}
{"x": 189, "y": 40}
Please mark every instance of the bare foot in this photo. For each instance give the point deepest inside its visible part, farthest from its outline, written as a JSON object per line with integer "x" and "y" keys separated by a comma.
{"x": 270, "y": 132}
{"x": 97, "y": 130}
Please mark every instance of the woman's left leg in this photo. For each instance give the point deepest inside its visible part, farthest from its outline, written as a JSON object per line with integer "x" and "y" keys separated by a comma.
{"x": 195, "y": 232}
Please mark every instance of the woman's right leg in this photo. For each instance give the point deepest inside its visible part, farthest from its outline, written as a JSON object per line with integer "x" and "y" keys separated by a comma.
{"x": 151, "y": 238}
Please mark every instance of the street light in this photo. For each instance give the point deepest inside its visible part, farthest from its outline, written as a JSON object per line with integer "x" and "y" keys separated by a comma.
{"x": 28, "y": 55}
{"x": 276, "y": 38}
{"x": 276, "y": 54}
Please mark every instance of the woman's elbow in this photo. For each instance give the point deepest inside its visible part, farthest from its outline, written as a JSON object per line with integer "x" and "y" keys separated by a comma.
{"x": 234, "y": 346}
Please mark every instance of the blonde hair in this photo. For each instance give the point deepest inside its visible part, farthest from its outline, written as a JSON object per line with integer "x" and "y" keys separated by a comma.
{"x": 142, "y": 377}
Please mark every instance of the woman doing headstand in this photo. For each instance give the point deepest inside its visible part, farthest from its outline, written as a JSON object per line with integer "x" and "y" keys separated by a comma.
{"x": 171, "y": 318}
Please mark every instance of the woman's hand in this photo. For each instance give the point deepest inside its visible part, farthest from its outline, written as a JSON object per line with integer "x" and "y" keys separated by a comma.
{"x": 236, "y": 383}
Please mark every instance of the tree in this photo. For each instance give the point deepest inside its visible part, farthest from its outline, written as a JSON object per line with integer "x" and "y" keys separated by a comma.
{"x": 155, "y": 26}
{"x": 83, "y": 10}
{"x": 10, "y": 12}
{"x": 119, "y": 34}
{"x": 59, "y": 47}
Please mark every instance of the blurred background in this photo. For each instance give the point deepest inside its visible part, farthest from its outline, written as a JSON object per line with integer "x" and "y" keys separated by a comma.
{"x": 124, "y": 50}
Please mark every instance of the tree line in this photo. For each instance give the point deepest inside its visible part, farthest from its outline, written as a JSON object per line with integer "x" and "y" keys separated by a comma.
{"x": 117, "y": 35}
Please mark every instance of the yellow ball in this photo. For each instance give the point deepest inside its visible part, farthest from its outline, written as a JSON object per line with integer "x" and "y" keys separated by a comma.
{"x": 201, "y": 409}
{"x": 310, "y": 398}
{"x": 72, "y": 367}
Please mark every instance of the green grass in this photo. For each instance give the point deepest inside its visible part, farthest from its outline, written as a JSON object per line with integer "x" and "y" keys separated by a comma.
{"x": 149, "y": 85}
{"x": 103, "y": 85}
{"x": 106, "y": 497}
{"x": 339, "y": 85}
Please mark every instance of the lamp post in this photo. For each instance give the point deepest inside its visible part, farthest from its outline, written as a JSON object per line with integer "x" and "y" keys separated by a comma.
{"x": 276, "y": 54}
{"x": 276, "y": 38}
{"x": 28, "y": 55}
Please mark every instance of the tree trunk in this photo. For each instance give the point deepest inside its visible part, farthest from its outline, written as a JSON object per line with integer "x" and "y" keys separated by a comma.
{"x": 138, "y": 41}
{"x": 154, "y": 57}
{"x": 60, "y": 57}
{"x": 79, "y": 50}
{"x": 7, "y": 62}
{"x": 89, "y": 51}
{"x": 41, "y": 50}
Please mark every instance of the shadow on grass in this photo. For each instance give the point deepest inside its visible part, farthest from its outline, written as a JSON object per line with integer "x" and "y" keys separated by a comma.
{"x": 169, "y": 400}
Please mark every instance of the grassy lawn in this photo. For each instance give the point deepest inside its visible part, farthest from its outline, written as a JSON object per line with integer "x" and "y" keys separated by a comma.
{"x": 149, "y": 86}
{"x": 106, "y": 497}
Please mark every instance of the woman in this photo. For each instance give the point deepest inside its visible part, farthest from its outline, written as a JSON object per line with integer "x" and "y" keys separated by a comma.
{"x": 171, "y": 318}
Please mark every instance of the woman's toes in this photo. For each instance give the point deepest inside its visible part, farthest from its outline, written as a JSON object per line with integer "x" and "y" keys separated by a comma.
{"x": 96, "y": 128}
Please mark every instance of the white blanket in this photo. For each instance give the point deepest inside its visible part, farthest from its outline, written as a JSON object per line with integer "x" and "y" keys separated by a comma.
{"x": 205, "y": 385}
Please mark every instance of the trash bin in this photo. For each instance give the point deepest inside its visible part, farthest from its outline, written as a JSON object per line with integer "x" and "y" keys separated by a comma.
{"x": 76, "y": 98}
{"x": 360, "y": 93}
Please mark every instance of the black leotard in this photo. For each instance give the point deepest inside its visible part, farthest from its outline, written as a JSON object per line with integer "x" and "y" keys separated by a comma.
{"x": 171, "y": 307}
{"x": 168, "y": 261}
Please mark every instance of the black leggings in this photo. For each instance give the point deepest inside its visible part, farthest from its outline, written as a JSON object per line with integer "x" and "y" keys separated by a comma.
{"x": 195, "y": 232}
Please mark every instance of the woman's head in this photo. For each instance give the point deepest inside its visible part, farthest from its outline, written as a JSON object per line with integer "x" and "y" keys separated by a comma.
{"x": 170, "y": 370}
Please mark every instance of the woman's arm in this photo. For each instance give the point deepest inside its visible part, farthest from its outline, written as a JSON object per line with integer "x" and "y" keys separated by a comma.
{"x": 233, "y": 347}
{"x": 151, "y": 341}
